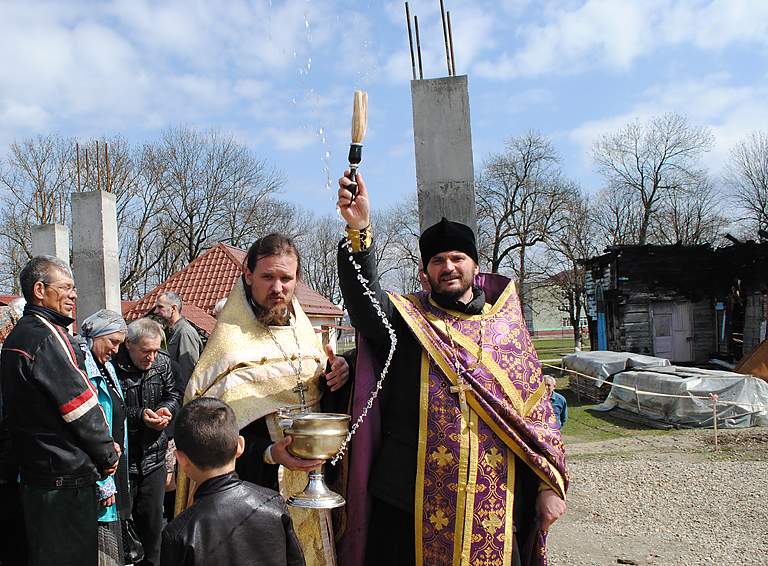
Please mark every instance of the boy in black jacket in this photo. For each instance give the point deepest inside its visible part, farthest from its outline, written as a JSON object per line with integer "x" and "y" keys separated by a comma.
{"x": 230, "y": 521}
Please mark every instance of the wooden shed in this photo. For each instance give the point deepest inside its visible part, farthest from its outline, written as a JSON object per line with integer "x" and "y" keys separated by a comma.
{"x": 683, "y": 303}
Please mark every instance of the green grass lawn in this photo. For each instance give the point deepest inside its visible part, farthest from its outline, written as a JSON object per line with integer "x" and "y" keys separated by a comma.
{"x": 555, "y": 348}
{"x": 587, "y": 425}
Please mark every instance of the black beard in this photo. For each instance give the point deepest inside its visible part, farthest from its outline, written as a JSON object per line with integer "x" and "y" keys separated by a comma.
{"x": 449, "y": 296}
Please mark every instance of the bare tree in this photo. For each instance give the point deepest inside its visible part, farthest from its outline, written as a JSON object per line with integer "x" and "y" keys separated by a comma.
{"x": 248, "y": 213}
{"x": 647, "y": 162}
{"x": 690, "y": 217}
{"x": 35, "y": 182}
{"x": 203, "y": 171}
{"x": 175, "y": 197}
{"x": 567, "y": 249}
{"x": 144, "y": 241}
{"x": 520, "y": 198}
{"x": 747, "y": 175}
{"x": 318, "y": 255}
{"x": 616, "y": 217}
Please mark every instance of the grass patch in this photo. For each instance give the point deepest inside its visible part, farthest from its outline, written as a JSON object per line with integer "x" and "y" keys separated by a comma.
{"x": 555, "y": 348}
{"x": 587, "y": 425}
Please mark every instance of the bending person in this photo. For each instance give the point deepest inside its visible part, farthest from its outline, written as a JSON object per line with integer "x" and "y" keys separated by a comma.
{"x": 103, "y": 332}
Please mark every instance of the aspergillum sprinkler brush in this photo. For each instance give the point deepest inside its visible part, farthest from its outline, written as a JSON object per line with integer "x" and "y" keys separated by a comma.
{"x": 359, "y": 126}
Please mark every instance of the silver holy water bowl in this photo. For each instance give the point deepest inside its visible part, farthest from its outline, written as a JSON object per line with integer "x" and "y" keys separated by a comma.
{"x": 316, "y": 436}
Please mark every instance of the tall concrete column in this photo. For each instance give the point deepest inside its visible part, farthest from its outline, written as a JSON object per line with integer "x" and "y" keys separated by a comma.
{"x": 51, "y": 239}
{"x": 445, "y": 176}
{"x": 95, "y": 253}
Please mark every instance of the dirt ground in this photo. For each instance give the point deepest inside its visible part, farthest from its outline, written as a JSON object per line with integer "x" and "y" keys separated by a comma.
{"x": 666, "y": 499}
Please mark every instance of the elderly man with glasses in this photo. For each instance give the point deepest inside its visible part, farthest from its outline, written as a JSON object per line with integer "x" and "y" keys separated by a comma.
{"x": 61, "y": 440}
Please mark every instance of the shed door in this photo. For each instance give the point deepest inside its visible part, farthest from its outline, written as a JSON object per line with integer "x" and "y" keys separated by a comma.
{"x": 682, "y": 335}
{"x": 662, "y": 330}
{"x": 672, "y": 331}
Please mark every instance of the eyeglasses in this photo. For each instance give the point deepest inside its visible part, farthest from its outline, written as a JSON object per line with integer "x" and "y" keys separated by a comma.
{"x": 66, "y": 289}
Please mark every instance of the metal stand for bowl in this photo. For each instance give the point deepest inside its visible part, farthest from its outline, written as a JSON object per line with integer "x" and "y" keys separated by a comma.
{"x": 316, "y": 436}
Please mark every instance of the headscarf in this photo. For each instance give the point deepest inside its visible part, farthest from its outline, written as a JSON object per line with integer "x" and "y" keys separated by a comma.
{"x": 446, "y": 236}
{"x": 101, "y": 323}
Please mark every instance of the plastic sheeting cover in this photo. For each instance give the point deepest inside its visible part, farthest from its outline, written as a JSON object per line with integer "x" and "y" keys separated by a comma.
{"x": 744, "y": 398}
{"x": 604, "y": 364}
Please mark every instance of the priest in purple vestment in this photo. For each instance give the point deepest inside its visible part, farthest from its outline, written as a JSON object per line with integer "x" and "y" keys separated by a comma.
{"x": 460, "y": 460}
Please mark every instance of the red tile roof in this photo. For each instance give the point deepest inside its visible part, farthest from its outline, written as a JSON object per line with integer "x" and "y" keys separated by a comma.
{"x": 210, "y": 278}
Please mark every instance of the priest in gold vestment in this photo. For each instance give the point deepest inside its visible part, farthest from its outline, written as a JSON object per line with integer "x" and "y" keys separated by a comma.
{"x": 264, "y": 355}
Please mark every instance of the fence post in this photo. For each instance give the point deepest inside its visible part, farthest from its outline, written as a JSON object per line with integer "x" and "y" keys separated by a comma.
{"x": 713, "y": 396}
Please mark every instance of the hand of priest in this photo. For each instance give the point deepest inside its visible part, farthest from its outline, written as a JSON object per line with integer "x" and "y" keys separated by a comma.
{"x": 339, "y": 373}
{"x": 549, "y": 508}
{"x": 281, "y": 456}
{"x": 356, "y": 212}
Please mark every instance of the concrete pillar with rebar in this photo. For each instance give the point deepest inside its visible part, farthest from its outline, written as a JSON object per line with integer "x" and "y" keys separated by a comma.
{"x": 443, "y": 143}
{"x": 51, "y": 239}
{"x": 95, "y": 252}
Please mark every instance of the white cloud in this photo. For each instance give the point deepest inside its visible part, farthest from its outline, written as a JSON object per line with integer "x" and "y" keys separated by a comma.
{"x": 25, "y": 116}
{"x": 731, "y": 111}
{"x": 291, "y": 139}
{"x": 612, "y": 35}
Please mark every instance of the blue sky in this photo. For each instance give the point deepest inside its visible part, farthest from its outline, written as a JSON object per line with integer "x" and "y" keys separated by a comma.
{"x": 280, "y": 75}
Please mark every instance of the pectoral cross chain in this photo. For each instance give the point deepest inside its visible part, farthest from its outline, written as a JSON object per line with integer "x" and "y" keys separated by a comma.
{"x": 300, "y": 389}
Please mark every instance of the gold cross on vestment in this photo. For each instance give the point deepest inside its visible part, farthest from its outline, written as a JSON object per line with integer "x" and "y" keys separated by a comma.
{"x": 300, "y": 389}
{"x": 461, "y": 388}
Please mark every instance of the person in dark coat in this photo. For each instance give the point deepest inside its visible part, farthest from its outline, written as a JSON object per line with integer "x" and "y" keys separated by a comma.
{"x": 184, "y": 343}
{"x": 60, "y": 437}
{"x": 148, "y": 379}
{"x": 231, "y": 521}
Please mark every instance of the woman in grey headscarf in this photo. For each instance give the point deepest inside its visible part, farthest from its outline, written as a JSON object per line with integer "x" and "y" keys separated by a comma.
{"x": 104, "y": 331}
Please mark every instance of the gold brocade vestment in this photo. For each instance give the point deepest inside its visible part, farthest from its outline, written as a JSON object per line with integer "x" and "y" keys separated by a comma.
{"x": 242, "y": 366}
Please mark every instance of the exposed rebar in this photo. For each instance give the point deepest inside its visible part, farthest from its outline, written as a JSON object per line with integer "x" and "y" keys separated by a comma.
{"x": 87, "y": 169}
{"x": 445, "y": 37}
{"x": 98, "y": 169}
{"x": 77, "y": 153}
{"x": 418, "y": 45}
{"x": 106, "y": 165}
{"x": 410, "y": 40}
{"x": 450, "y": 42}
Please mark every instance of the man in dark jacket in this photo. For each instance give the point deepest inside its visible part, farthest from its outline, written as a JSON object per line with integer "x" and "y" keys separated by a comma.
{"x": 152, "y": 399}
{"x": 60, "y": 436}
{"x": 231, "y": 521}
{"x": 184, "y": 343}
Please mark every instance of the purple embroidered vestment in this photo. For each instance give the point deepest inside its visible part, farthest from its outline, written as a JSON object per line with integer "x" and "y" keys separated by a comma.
{"x": 466, "y": 455}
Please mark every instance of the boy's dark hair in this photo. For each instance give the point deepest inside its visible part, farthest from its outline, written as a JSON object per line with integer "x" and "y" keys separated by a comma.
{"x": 269, "y": 245}
{"x": 206, "y": 431}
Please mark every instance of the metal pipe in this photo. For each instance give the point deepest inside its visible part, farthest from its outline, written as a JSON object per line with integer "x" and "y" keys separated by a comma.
{"x": 450, "y": 42}
{"x": 77, "y": 153}
{"x": 410, "y": 40}
{"x": 106, "y": 161}
{"x": 98, "y": 168}
{"x": 418, "y": 45}
{"x": 445, "y": 37}
{"x": 87, "y": 168}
